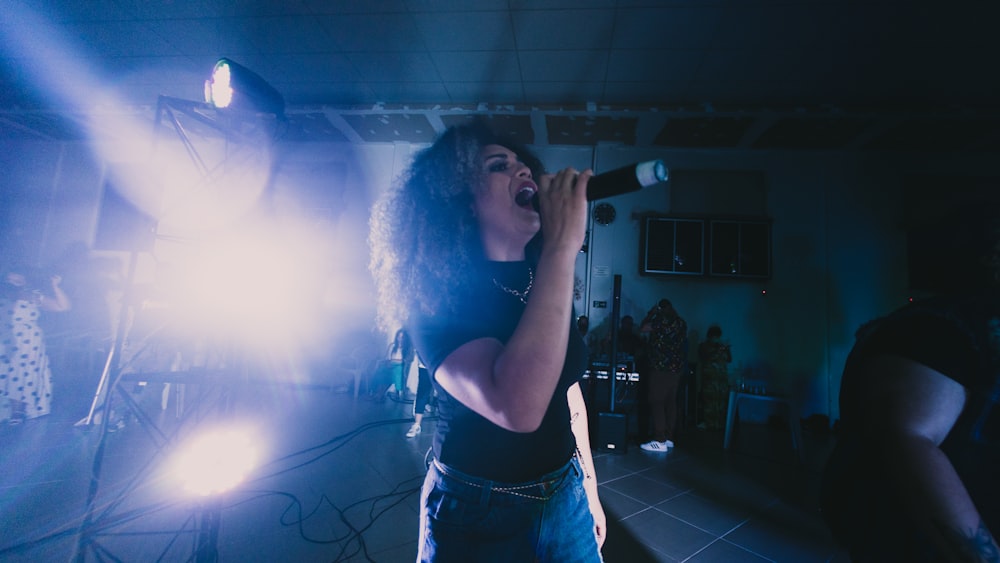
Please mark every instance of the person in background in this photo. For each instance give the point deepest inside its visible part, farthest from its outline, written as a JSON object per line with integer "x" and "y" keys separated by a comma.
{"x": 714, "y": 358}
{"x": 629, "y": 342}
{"x": 667, "y": 358}
{"x": 422, "y": 400}
{"x": 914, "y": 473}
{"x": 458, "y": 255}
{"x": 630, "y": 345}
{"x": 25, "y": 375}
{"x": 391, "y": 371}
{"x": 583, "y": 325}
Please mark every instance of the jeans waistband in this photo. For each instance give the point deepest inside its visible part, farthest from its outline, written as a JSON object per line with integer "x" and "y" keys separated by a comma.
{"x": 539, "y": 489}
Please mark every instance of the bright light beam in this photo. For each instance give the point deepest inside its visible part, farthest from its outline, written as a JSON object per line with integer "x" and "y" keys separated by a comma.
{"x": 215, "y": 462}
{"x": 261, "y": 286}
{"x": 58, "y": 71}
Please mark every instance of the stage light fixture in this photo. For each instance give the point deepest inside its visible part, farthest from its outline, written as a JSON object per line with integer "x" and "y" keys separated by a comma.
{"x": 215, "y": 462}
{"x": 232, "y": 85}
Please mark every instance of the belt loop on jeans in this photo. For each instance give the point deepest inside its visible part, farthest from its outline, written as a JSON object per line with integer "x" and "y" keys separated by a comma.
{"x": 443, "y": 469}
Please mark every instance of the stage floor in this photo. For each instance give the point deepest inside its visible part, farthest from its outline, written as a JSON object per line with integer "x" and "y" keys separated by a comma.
{"x": 340, "y": 482}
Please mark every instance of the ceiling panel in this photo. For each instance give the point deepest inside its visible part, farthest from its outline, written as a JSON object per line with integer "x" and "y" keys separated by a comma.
{"x": 496, "y": 92}
{"x": 95, "y": 10}
{"x": 313, "y": 126}
{"x": 516, "y": 127}
{"x": 560, "y": 4}
{"x": 358, "y": 33}
{"x": 565, "y": 93}
{"x": 321, "y": 92}
{"x": 652, "y": 65}
{"x": 591, "y": 130}
{"x": 704, "y": 132}
{"x": 466, "y": 31}
{"x": 394, "y": 67}
{"x": 332, "y": 7}
{"x": 166, "y": 9}
{"x": 753, "y": 25}
{"x": 569, "y": 66}
{"x": 563, "y": 29}
{"x": 843, "y": 66}
{"x": 113, "y": 38}
{"x": 813, "y": 133}
{"x": 286, "y": 34}
{"x": 477, "y": 66}
{"x": 678, "y": 27}
{"x": 938, "y": 134}
{"x": 417, "y": 92}
{"x": 382, "y": 128}
{"x": 455, "y": 5}
{"x": 308, "y": 68}
{"x": 650, "y": 94}
{"x": 199, "y": 37}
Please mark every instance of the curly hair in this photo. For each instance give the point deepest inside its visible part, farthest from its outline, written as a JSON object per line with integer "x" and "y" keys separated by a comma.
{"x": 424, "y": 236}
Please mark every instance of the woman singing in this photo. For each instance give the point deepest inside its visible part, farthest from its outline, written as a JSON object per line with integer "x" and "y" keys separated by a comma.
{"x": 458, "y": 260}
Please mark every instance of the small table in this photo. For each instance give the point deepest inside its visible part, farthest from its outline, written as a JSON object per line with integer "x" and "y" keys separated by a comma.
{"x": 735, "y": 397}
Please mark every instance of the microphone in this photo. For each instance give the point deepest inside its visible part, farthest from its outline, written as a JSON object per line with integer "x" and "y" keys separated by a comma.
{"x": 631, "y": 178}
{"x": 626, "y": 179}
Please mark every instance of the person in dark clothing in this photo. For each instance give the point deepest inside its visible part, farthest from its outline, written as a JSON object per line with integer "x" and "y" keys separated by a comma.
{"x": 458, "y": 259}
{"x": 629, "y": 342}
{"x": 667, "y": 360}
{"x": 423, "y": 399}
{"x": 714, "y": 357}
{"x": 913, "y": 476}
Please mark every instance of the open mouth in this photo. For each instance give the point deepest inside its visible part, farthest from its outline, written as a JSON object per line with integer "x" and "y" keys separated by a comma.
{"x": 526, "y": 195}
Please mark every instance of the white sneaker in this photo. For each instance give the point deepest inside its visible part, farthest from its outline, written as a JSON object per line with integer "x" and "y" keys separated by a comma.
{"x": 654, "y": 446}
{"x": 413, "y": 431}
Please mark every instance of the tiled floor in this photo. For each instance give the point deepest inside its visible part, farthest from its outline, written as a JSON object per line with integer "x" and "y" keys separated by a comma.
{"x": 340, "y": 483}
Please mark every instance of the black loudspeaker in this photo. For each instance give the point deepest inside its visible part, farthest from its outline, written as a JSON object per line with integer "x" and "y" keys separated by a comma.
{"x": 612, "y": 432}
{"x": 123, "y": 226}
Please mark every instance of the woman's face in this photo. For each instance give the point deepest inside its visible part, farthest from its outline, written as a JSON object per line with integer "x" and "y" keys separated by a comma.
{"x": 505, "y": 226}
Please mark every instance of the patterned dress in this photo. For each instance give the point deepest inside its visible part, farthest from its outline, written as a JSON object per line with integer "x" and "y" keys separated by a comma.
{"x": 714, "y": 357}
{"x": 25, "y": 377}
{"x": 667, "y": 341}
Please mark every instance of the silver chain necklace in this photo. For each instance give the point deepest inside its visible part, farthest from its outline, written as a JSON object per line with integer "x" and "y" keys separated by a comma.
{"x": 522, "y": 295}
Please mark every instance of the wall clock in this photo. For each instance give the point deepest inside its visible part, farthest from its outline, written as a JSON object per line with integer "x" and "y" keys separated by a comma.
{"x": 604, "y": 213}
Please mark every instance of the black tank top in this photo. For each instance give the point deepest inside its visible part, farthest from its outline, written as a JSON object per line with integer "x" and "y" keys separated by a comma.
{"x": 463, "y": 439}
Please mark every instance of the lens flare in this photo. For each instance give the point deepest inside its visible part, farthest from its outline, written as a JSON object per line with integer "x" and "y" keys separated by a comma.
{"x": 215, "y": 462}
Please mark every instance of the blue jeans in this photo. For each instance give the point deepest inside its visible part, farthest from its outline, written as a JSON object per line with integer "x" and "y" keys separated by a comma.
{"x": 465, "y": 519}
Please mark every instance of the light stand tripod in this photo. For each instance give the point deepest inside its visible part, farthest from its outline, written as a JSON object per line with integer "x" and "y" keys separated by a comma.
{"x": 240, "y": 128}
{"x": 207, "y": 549}
{"x": 112, "y": 363}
